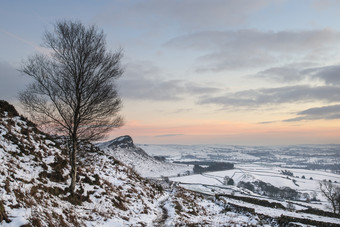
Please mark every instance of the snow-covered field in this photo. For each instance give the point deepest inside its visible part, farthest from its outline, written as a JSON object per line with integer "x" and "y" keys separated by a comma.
{"x": 306, "y": 165}
{"x": 314, "y": 156}
{"x": 272, "y": 175}
{"x": 212, "y": 183}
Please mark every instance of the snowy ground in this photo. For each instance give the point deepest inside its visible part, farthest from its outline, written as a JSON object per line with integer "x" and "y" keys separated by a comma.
{"x": 261, "y": 164}
{"x": 252, "y": 173}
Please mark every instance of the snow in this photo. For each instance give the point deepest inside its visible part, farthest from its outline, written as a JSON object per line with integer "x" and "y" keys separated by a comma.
{"x": 20, "y": 217}
{"x": 190, "y": 208}
{"x": 197, "y": 179}
{"x": 278, "y": 212}
{"x": 212, "y": 182}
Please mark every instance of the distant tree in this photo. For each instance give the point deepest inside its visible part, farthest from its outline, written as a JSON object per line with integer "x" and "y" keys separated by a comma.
{"x": 225, "y": 180}
{"x": 287, "y": 172}
{"x": 247, "y": 185}
{"x": 198, "y": 169}
{"x": 313, "y": 196}
{"x": 160, "y": 158}
{"x": 306, "y": 196}
{"x": 230, "y": 182}
{"x": 73, "y": 90}
{"x": 332, "y": 193}
{"x": 290, "y": 206}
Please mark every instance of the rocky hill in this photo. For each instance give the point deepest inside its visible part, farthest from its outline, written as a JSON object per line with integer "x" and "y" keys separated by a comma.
{"x": 123, "y": 149}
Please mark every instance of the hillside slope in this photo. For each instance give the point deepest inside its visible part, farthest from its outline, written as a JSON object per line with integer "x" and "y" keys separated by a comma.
{"x": 34, "y": 178}
{"x": 123, "y": 149}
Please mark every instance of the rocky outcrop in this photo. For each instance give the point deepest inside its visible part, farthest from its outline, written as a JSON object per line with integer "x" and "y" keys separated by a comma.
{"x": 126, "y": 142}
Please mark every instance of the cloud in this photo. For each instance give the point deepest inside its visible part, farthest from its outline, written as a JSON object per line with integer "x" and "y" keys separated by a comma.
{"x": 169, "y": 135}
{"x": 182, "y": 110}
{"x": 275, "y": 96}
{"x": 329, "y": 75}
{"x": 266, "y": 122}
{"x": 228, "y": 50}
{"x": 318, "y": 113}
{"x": 145, "y": 82}
{"x": 185, "y": 15}
{"x": 286, "y": 74}
{"x": 10, "y": 78}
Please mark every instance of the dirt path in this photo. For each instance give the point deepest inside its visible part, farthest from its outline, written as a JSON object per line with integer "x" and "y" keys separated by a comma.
{"x": 160, "y": 221}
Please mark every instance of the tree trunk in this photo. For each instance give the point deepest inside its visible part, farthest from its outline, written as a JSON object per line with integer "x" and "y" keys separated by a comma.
{"x": 74, "y": 165}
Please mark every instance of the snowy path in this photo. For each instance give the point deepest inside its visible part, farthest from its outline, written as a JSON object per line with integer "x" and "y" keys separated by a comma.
{"x": 161, "y": 219}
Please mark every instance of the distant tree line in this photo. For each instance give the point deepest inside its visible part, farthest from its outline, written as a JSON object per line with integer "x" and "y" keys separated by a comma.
{"x": 160, "y": 158}
{"x": 214, "y": 166}
{"x": 334, "y": 167}
{"x": 270, "y": 190}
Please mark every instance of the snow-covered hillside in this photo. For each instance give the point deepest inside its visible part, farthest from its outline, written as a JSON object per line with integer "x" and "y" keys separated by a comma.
{"x": 34, "y": 183}
{"x": 123, "y": 149}
{"x": 34, "y": 180}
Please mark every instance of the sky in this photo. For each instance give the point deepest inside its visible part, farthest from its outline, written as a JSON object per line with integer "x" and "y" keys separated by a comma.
{"x": 239, "y": 72}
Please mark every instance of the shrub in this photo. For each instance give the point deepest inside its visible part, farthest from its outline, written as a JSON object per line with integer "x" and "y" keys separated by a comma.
{"x": 230, "y": 182}
{"x": 3, "y": 215}
{"x": 6, "y": 107}
{"x": 287, "y": 172}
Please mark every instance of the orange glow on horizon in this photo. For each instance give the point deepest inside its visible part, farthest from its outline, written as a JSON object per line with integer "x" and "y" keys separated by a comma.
{"x": 232, "y": 133}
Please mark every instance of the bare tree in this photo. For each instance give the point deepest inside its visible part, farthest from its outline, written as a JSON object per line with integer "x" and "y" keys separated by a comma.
{"x": 332, "y": 193}
{"x": 73, "y": 90}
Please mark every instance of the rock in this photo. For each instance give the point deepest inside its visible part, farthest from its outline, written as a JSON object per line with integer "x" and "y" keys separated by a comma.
{"x": 121, "y": 142}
